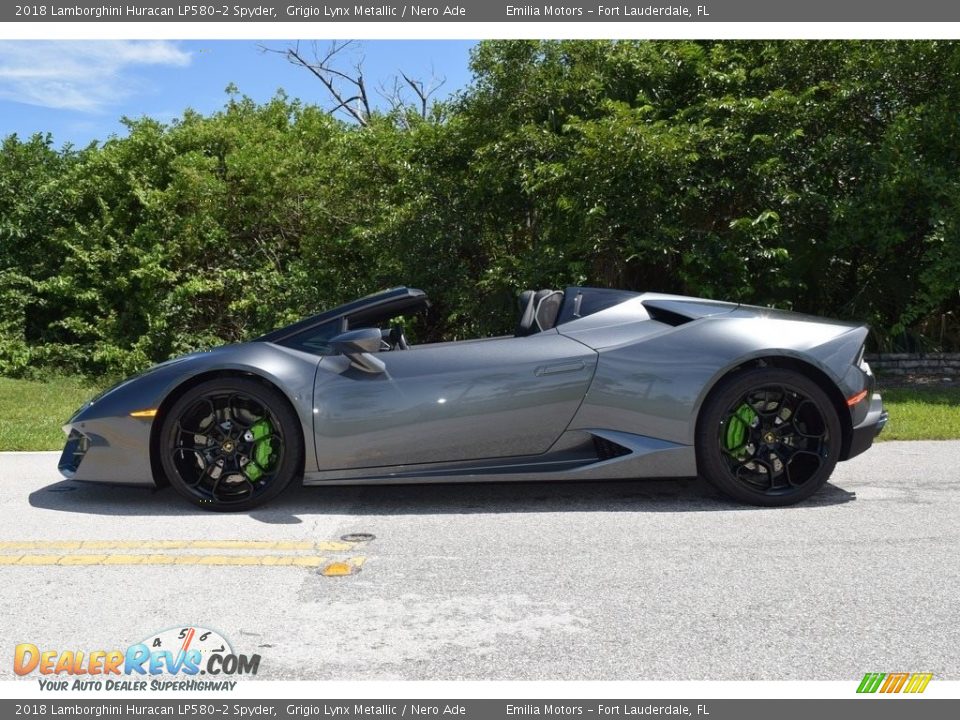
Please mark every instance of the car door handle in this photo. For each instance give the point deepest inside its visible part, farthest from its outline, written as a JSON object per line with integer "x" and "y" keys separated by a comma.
{"x": 556, "y": 368}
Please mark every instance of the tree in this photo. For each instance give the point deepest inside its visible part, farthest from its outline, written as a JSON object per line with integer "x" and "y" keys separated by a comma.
{"x": 348, "y": 88}
{"x": 819, "y": 176}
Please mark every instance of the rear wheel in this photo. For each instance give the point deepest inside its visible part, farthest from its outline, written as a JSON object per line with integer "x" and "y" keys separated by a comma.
{"x": 231, "y": 444}
{"x": 768, "y": 436}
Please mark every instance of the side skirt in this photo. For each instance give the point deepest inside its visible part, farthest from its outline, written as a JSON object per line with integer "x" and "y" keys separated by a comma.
{"x": 586, "y": 455}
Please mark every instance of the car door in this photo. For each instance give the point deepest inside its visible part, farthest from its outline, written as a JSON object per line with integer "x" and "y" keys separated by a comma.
{"x": 489, "y": 398}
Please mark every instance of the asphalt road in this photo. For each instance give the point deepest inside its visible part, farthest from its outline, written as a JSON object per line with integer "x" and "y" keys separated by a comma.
{"x": 614, "y": 580}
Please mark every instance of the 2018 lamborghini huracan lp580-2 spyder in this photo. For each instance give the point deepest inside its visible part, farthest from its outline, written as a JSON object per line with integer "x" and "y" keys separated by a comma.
{"x": 594, "y": 384}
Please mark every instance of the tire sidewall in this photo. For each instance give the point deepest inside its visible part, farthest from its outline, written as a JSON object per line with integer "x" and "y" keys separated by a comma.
{"x": 710, "y": 462}
{"x": 291, "y": 462}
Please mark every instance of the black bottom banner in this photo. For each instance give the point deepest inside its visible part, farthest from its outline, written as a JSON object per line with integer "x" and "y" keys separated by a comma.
{"x": 872, "y": 708}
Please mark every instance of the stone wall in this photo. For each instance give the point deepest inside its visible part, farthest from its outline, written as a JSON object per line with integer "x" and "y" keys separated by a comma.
{"x": 945, "y": 364}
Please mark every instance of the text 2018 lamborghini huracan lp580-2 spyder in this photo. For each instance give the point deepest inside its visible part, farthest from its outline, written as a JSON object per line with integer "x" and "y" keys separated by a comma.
{"x": 594, "y": 384}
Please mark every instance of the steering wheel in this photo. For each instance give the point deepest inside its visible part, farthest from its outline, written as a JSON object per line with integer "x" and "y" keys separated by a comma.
{"x": 397, "y": 340}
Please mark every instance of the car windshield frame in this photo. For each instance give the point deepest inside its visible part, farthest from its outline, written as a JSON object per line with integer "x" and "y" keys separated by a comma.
{"x": 381, "y": 305}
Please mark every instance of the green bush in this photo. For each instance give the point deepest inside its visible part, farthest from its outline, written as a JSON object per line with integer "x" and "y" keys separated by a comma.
{"x": 820, "y": 176}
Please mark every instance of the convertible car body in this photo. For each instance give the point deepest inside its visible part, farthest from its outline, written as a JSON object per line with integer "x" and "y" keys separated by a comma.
{"x": 594, "y": 384}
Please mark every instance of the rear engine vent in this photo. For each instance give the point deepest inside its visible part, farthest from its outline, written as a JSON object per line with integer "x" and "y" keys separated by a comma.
{"x": 607, "y": 450}
{"x": 667, "y": 317}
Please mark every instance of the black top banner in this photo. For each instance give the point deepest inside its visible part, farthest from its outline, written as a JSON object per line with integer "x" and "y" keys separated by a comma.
{"x": 487, "y": 11}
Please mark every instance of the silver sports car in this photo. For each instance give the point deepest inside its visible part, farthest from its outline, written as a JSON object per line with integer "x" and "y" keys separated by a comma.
{"x": 594, "y": 384}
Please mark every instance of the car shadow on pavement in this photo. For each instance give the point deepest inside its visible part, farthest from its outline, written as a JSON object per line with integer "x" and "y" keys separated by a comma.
{"x": 654, "y": 496}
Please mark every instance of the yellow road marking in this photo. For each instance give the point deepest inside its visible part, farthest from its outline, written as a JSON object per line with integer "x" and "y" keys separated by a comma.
{"x": 315, "y": 546}
{"x": 338, "y": 569}
{"x": 296, "y": 553}
{"x": 30, "y": 559}
{"x": 82, "y": 560}
{"x": 229, "y": 560}
{"x": 341, "y": 568}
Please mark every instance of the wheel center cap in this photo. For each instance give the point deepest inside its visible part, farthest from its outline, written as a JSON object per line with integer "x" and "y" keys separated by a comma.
{"x": 227, "y": 446}
{"x": 770, "y": 438}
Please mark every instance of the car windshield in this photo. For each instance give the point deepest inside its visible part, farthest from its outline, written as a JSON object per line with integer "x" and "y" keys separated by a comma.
{"x": 371, "y": 309}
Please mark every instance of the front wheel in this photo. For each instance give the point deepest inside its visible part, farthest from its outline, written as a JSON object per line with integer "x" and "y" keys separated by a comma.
{"x": 231, "y": 444}
{"x": 768, "y": 436}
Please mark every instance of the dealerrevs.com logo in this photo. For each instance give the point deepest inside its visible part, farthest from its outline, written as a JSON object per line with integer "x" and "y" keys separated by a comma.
{"x": 184, "y": 658}
{"x": 887, "y": 683}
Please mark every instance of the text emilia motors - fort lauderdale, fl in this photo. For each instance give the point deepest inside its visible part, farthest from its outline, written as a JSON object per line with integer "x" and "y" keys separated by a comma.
{"x": 337, "y": 12}
{"x": 241, "y": 12}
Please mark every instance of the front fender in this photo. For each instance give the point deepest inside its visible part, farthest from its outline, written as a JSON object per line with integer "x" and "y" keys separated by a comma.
{"x": 106, "y": 443}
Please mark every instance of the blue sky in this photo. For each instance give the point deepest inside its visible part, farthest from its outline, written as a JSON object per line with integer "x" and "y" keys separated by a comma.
{"x": 78, "y": 91}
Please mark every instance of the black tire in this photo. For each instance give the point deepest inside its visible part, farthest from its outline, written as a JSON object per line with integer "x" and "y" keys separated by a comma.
{"x": 768, "y": 436}
{"x": 231, "y": 444}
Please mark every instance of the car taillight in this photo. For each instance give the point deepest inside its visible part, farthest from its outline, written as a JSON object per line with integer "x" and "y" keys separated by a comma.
{"x": 854, "y": 399}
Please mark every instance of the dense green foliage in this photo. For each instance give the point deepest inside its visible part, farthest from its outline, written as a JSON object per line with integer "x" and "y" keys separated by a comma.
{"x": 819, "y": 176}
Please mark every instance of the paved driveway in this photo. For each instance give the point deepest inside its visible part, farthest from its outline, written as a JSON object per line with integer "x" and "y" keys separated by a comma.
{"x": 618, "y": 580}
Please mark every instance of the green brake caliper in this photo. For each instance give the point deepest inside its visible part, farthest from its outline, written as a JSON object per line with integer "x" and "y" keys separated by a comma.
{"x": 735, "y": 440}
{"x": 262, "y": 455}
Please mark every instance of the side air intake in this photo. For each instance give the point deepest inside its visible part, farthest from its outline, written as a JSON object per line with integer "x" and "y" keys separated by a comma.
{"x": 607, "y": 450}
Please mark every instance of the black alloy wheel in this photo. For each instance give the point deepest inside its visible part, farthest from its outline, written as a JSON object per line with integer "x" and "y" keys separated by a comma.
{"x": 231, "y": 444}
{"x": 768, "y": 436}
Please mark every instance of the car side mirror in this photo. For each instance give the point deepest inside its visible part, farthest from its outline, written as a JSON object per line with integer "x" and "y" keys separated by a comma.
{"x": 358, "y": 346}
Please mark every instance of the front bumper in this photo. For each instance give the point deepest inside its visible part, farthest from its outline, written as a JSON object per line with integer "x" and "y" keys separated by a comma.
{"x": 111, "y": 450}
{"x": 865, "y": 431}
